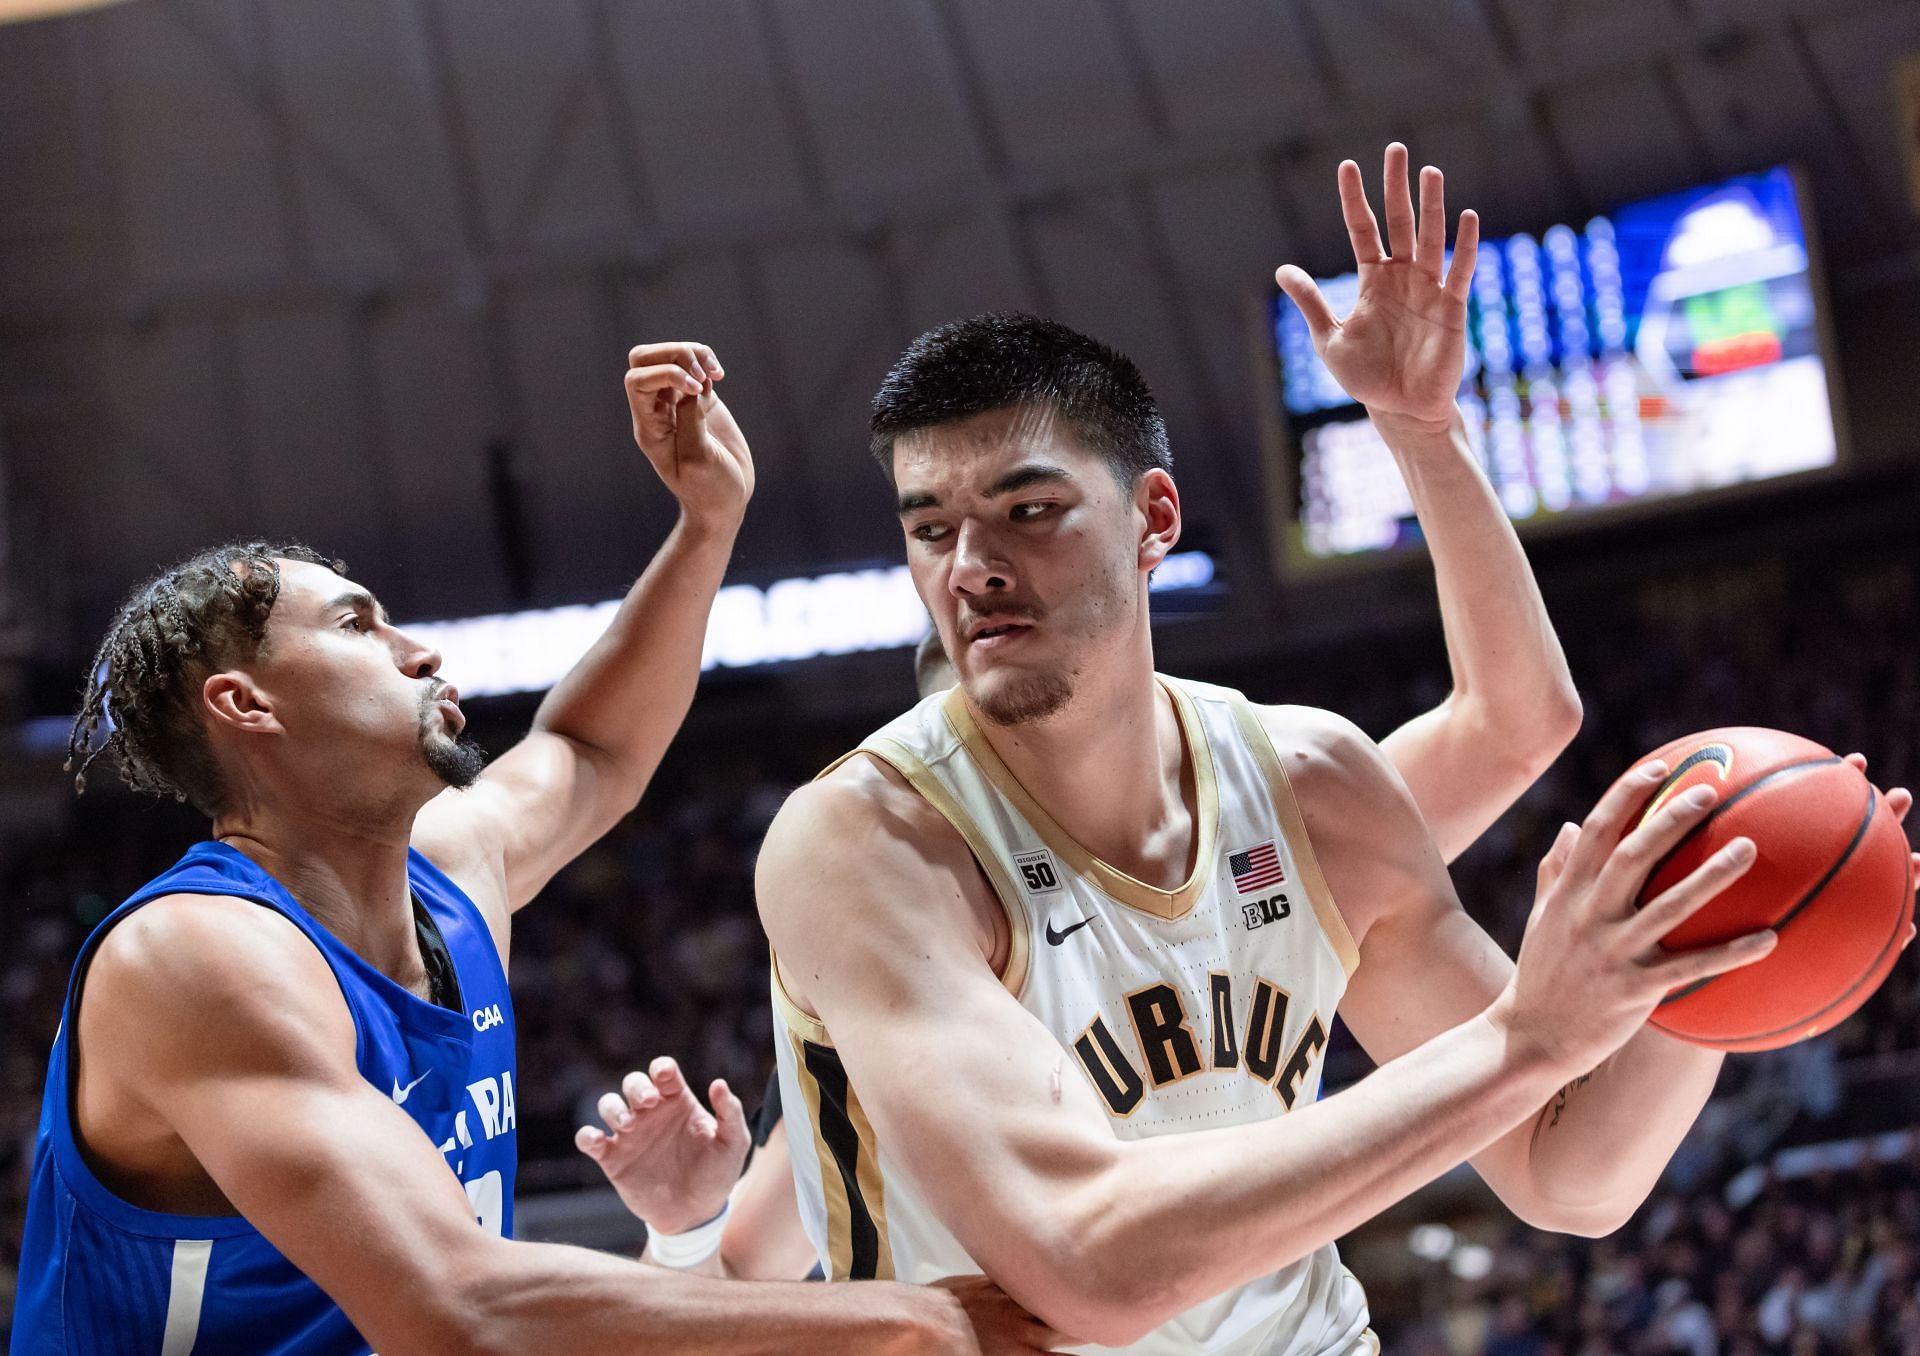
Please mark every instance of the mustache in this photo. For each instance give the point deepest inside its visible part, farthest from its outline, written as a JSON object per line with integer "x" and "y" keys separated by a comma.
{"x": 1002, "y": 610}
{"x": 435, "y": 690}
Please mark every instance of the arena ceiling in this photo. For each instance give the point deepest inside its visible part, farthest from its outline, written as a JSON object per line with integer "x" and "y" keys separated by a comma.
{"x": 365, "y": 271}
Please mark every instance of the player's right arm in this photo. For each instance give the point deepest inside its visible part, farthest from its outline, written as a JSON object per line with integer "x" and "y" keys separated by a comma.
{"x": 232, "y": 1030}
{"x": 872, "y": 903}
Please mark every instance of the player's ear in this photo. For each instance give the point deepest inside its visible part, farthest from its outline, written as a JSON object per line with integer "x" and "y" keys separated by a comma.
{"x": 235, "y": 700}
{"x": 1157, "y": 502}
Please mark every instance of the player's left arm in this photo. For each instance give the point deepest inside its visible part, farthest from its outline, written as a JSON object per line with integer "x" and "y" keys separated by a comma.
{"x": 1400, "y": 353}
{"x": 1513, "y": 707}
{"x": 1588, "y": 1158}
{"x": 603, "y": 729}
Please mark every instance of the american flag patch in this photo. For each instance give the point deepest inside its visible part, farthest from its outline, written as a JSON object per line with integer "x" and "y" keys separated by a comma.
{"x": 1256, "y": 868}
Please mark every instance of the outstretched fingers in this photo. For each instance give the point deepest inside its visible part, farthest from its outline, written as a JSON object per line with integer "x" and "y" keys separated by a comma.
{"x": 1431, "y": 251}
{"x": 1303, "y": 292}
{"x": 1362, "y": 229}
{"x": 1466, "y": 249}
{"x": 1398, "y": 202}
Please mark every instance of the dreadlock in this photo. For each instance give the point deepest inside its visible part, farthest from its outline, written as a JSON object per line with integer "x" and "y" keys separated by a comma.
{"x": 185, "y": 623}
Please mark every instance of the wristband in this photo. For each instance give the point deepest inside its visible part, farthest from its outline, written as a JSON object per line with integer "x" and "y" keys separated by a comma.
{"x": 691, "y": 1248}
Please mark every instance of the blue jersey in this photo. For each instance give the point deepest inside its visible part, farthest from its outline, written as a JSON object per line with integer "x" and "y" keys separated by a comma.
{"x": 99, "y": 1276}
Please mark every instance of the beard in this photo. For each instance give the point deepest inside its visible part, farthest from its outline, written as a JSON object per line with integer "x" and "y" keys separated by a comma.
{"x": 1025, "y": 700}
{"x": 455, "y": 759}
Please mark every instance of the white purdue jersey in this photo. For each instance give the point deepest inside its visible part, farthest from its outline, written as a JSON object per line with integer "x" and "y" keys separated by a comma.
{"x": 1185, "y": 1010}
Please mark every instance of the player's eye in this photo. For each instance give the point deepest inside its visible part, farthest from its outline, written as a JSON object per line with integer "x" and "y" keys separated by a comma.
{"x": 928, "y": 532}
{"x": 1028, "y": 512}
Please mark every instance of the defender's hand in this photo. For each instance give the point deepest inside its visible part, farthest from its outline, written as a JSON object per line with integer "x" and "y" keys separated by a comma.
{"x": 1591, "y": 968}
{"x": 1001, "y": 1326}
{"x": 672, "y": 1161}
{"x": 686, "y": 432}
{"x": 1403, "y": 349}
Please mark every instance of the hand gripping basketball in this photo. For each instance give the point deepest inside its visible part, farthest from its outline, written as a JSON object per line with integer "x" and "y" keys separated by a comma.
{"x": 1591, "y": 967}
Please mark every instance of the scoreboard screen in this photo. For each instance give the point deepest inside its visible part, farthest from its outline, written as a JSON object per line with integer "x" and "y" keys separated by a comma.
{"x": 1670, "y": 347}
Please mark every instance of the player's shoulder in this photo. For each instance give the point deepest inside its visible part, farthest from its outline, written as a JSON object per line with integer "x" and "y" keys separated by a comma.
{"x": 859, "y": 823}
{"x": 183, "y": 967}
{"x": 859, "y": 797}
{"x": 1315, "y": 742}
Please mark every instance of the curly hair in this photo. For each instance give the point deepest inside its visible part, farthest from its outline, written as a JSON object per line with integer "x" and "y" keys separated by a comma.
{"x": 174, "y": 630}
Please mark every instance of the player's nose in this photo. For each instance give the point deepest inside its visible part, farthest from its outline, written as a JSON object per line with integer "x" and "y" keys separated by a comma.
{"x": 416, "y": 658}
{"x": 978, "y": 565}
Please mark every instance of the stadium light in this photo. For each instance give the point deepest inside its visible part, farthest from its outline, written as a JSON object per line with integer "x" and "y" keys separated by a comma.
{"x": 19, "y": 11}
{"x": 801, "y": 618}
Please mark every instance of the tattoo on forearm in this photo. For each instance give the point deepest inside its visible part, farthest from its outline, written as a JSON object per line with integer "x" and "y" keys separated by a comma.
{"x": 1560, "y": 1098}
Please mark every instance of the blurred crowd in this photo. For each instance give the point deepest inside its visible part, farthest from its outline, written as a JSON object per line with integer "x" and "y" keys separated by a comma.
{"x": 1819, "y": 1266}
{"x": 648, "y": 945}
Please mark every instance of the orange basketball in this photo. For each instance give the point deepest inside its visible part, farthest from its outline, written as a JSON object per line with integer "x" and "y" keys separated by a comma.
{"x": 1832, "y": 876}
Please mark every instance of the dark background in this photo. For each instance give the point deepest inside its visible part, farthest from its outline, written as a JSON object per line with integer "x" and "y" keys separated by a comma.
{"x": 364, "y": 272}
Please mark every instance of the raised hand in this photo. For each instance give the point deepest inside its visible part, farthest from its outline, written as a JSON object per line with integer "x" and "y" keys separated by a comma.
{"x": 1402, "y": 350}
{"x": 672, "y": 1161}
{"x": 686, "y": 431}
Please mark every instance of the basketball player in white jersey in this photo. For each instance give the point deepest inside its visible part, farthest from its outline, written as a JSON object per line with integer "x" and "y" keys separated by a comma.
{"x": 1057, "y": 952}
{"x": 677, "y": 1163}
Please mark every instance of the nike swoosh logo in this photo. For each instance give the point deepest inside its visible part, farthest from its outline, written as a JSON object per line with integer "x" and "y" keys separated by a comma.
{"x": 1055, "y": 938}
{"x": 400, "y": 1093}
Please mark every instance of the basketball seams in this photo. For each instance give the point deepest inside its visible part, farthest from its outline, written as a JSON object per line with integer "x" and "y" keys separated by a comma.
{"x": 1901, "y": 922}
{"x": 1903, "y": 917}
{"x": 1727, "y": 804}
{"x": 1805, "y": 899}
{"x": 1859, "y": 837}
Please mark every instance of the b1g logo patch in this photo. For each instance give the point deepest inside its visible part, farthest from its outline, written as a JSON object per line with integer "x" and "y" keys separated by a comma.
{"x": 1264, "y": 911}
{"x": 1038, "y": 872}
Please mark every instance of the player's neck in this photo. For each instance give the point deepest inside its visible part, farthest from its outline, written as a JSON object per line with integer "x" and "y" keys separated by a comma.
{"x": 351, "y": 875}
{"x": 1113, "y": 771}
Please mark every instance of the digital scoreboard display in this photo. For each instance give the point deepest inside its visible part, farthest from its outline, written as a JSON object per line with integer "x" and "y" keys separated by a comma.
{"x": 1670, "y": 347}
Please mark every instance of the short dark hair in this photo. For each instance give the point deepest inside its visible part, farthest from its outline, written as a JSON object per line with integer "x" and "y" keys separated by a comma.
{"x": 1005, "y": 358}
{"x": 190, "y": 620}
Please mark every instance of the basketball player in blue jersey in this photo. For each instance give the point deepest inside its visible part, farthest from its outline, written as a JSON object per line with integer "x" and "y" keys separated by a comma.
{"x": 1057, "y": 952}
{"x": 280, "y": 1113}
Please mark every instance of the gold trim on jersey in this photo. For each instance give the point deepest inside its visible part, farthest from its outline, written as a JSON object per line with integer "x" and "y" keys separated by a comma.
{"x": 851, "y": 1185}
{"x": 799, "y": 1021}
{"x": 1287, "y": 809}
{"x": 1019, "y": 945}
{"x": 920, "y": 777}
{"x": 1111, "y": 880}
